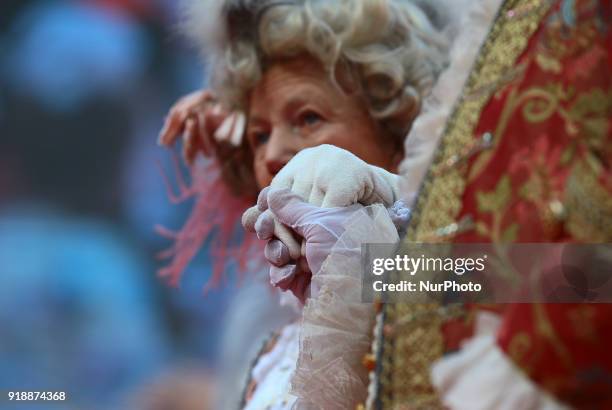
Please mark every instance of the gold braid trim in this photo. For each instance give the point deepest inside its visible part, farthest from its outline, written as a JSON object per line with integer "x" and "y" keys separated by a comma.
{"x": 588, "y": 204}
{"x": 414, "y": 340}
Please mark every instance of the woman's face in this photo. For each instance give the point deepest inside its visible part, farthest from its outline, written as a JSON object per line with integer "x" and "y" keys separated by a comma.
{"x": 296, "y": 106}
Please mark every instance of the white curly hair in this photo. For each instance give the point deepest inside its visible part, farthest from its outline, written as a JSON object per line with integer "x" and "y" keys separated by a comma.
{"x": 393, "y": 49}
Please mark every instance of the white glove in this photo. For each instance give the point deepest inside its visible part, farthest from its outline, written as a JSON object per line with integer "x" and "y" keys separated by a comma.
{"x": 319, "y": 227}
{"x": 329, "y": 176}
{"x": 268, "y": 226}
{"x": 330, "y": 223}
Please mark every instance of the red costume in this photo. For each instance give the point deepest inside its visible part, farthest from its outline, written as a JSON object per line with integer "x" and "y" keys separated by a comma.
{"x": 542, "y": 89}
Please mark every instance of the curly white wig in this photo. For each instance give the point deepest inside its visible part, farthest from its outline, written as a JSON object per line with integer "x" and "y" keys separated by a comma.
{"x": 393, "y": 49}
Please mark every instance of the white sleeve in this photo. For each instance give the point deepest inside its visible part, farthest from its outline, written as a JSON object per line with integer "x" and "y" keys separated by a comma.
{"x": 481, "y": 377}
{"x": 336, "y": 326}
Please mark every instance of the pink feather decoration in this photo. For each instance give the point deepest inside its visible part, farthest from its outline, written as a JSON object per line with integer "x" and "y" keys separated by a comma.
{"x": 217, "y": 212}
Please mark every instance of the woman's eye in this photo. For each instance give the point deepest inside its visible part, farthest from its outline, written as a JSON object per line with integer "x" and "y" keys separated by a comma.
{"x": 260, "y": 138}
{"x": 310, "y": 118}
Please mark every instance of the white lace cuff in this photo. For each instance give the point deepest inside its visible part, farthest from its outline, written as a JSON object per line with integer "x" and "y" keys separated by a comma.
{"x": 336, "y": 325}
{"x": 481, "y": 377}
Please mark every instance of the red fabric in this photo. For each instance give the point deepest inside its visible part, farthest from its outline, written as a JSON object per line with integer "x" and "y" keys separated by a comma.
{"x": 556, "y": 114}
{"x": 536, "y": 156}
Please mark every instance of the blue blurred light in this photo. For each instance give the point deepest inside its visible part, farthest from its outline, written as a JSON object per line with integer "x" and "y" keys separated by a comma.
{"x": 77, "y": 310}
{"x": 62, "y": 53}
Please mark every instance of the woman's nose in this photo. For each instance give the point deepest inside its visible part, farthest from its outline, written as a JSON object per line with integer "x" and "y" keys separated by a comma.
{"x": 281, "y": 147}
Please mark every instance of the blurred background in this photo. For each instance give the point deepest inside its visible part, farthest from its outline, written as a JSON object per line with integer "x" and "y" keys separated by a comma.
{"x": 84, "y": 88}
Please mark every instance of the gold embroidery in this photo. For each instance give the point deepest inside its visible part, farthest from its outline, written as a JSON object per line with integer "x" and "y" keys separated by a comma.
{"x": 514, "y": 74}
{"x": 410, "y": 349}
{"x": 588, "y": 204}
{"x": 546, "y": 329}
{"x": 405, "y": 376}
{"x": 582, "y": 320}
{"x": 537, "y": 103}
{"x": 518, "y": 347}
{"x": 548, "y": 63}
{"x": 497, "y": 199}
{"x": 484, "y": 142}
{"x": 590, "y": 114}
{"x": 465, "y": 224}
{"x": 496, "y": 203}
{"x": 585, "y": 115}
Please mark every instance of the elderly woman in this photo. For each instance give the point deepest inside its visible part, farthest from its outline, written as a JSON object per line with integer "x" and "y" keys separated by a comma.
{"x": 314, "y": 99}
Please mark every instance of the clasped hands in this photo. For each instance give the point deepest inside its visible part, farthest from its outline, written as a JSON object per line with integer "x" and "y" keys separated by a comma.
{"x": 303, "y": 212}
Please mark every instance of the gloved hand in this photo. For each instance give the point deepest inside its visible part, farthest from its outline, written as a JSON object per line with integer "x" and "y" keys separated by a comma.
{"x": 277, "y": 251}
{"x": 319, "y": 227}
{"x": 329, "y": 176}
{"x": 268, "y": 227}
